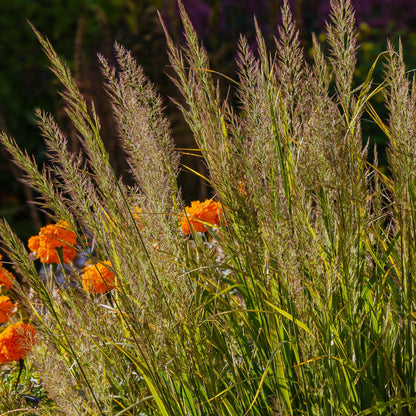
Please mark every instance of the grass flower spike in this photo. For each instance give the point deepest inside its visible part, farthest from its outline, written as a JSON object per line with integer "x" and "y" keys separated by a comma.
{"x": 97, "y": 278}
{"x": 6, "y": 309}
{"x": 16, "y": 341}
{"x": 199, "y": 214}
{"x": 50, "y": 238}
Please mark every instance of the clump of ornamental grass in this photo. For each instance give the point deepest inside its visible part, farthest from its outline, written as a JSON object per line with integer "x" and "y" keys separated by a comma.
{"x": 290, "y": 292}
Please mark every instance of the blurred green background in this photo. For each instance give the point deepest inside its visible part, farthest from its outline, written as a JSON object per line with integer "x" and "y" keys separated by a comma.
{"x": 79, "y": 29}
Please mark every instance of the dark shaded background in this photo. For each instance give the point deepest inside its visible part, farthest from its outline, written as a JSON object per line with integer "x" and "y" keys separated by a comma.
{"x": 79, "y": 29}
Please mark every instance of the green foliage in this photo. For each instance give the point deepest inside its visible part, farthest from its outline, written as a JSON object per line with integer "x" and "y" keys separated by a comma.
{"x": 27, "y": 394}
{"x": 300, "y": 303}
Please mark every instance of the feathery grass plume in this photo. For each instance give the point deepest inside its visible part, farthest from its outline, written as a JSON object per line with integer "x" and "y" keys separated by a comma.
{"x": 401, "y": 99}
{"x": 84, "y": 119}
{"x": 252, "y": 132}
{"x": 209, "y": 118}
{"x": 145, "y": 135}
{"x": 282, "y": 103}
{"x": 342, "y": 38}
{"x": 72, "y": 171}
{"x": 240, "y": 243}
{"x": 204, "y": 111}
{"x": 318, "y": 168}
{"x": 40, "y": 181}
{"x": 290, "y": 68}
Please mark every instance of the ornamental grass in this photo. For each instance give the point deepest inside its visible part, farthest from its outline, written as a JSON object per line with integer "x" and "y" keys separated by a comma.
{"x": 290, "y": 292}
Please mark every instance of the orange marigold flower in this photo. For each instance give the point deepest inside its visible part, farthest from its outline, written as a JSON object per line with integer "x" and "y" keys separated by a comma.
{"x": 50, "y": 238}
{"x": 33, "y": 243}
{"x": 16, "y": 341}
{"x": 6, "y": 278}
{"x": 208, "y": 212}
{"x": 6, "y": 309}
{"x": 97, "y": 278}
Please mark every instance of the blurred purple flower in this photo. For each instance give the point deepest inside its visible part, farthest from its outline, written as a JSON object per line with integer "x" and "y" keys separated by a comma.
{"x": 199, "y": 13}
{"x": 387, "y": 15}
{"x": 236, "y": 16}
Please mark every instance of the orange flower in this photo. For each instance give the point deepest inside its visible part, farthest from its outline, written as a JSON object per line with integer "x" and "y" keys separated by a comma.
{"x": 137, "y": 211}
{"x": 6, "y": 278}
{"x": 50, "y": 238}
{"x": 6, "y": 309}
{"x": 241, "y": 188}
{"x": 198, "y": 213}
{"x": 97, "y": 278}
{"x": 16, "y": 341}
